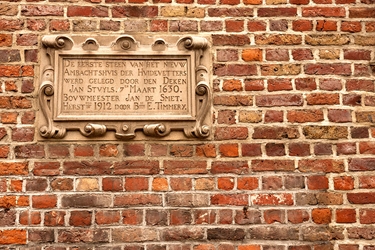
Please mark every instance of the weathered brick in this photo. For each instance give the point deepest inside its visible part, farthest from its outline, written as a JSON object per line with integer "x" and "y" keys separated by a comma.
{"x": 236, "y": 167}
{"x": 321, "y": 165}
{"x": 278, "y": 133}
{"x": 85, "y": 200}
{"x": 325, "y": 132}
{"x": 230, "y": 199}
{"x": 182, "y": 234}
{"x": 137, "y": 199}
{"x": 136, "y": 167}
{"x": 273, "y": 233}
{"x": 134, "y": 235}
{"x": 226, "y": 234}
{"x": 83, "y": 235}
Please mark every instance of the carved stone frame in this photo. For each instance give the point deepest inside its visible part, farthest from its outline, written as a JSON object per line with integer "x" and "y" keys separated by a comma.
{"x": 124, "y": 127}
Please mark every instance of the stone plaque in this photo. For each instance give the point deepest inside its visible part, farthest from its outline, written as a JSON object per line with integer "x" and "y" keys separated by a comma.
{"x": 124, "y": 88}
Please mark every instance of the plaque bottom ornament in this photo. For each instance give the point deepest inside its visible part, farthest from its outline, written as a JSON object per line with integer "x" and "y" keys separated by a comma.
{"x": 124, "y": 88}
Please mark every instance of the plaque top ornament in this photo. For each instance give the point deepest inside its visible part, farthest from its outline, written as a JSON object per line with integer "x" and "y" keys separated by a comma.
{"x": 124, "y": 88}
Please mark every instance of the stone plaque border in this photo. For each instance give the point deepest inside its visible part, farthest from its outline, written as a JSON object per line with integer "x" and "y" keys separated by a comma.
{"x": 194, "y": 121}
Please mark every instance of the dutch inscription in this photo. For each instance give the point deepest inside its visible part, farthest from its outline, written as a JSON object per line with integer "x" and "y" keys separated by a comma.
{"x": 124, "y": 86}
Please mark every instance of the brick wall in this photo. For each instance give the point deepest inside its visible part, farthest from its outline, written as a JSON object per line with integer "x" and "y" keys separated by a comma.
{"x": 291, "y": 163}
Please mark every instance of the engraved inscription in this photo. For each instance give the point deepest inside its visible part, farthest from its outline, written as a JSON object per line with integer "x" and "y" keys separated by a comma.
{"x": 142, "y": 87}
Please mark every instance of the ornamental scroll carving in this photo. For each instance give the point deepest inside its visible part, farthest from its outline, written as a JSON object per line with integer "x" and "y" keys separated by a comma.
{"x": 124, "y": 88}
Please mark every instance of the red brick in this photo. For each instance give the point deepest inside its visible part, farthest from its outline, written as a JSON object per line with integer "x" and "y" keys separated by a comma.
{"x": 86, "y": 168}
{"x": 279, "y": 100}
{"x": 185, "y": 167}
{"x": 298, "y": 216}
{"x": 253, "y": 26}
{"x": 322, "y": 99}
{"x": 44, "y": 201}
{"x": 180, "y": 217}
{"x": 339, "y": 115}
{"x": 345, "y": 216}
{"x": 279, "y": 25}
{"x": 134, "y": 11}
{"x": 362, "y": 85}
{"x": 225, "y": 183}
{"x": 251, "y": 149}
{"x": 236, "y": 167}
{"x": 273, "y": 216}
{"x": 178, "y": 150}
{"x": 225, "y": 216}
{"x": 234, "y": 25}
{"x": 328, "y": 69}
{"x": 136, "y": 184}
{"x": 234, "y": 69}
{"x": 272, "y": 165}
{"x": 136, "y": 167}
{"x": 137, "y": 149}
{"x": 132, "y": 217}
{"x": 13, "y": 236}
{"x": 4, "y": 151}
{"x": 14, "y": 168}
{"x": 160, "y": 184}
{"x": 80, "y": 218}
{"x": 317, "y": 182}
{"x": 367, "y": 182}
{"x": 57, "y": 151}
{"x": 273, "y": 116}
{"x": 330, "y": 84}
{"x": 326, "y": 25}
{"x": 307, "y": 115}
{"x": 108, "y": 150}
{"x": 15, "y": 185}
{"x": 321, "y": 165}
{"x": 159, "y": 25}
{"x": 85, "y": 150}
{"x": 233, "y": 100}
{"x": 229, "y": 150}
{"x": 181, "y": 184}
{"x": 277, "y": 12}
{"x": 206, "y": 150}
{"x": 321, "y": 215}
{"x": 343, "y": 183}
{"x": 362, "y": 164}
{"x": 5, "y": 40}
{"x": 36, "y": 184}
{"x": 231, "y": 40}
{"x": 277, "y": 133}
{"x": 323, "y": 12}
{"x": 158, "y": 150}
{"x": 275, "y": 149}
{"x": 59, "y": 25}
{"x": 272, "y": 183}
{"x": 62, "y": 184}
{"x": 54, "y": 218}
{"x": 247, "y": 183}
{"x": 228, "y": 133}
{"x": 272, "y": 199}
{"x": 299, "y": 149}
{"x": 308, "y": 84}
{"x": 137, "y": 199}
{"x": 230, "y": 199}
{"x": 112, "y": 184}
{"x": 279, "y": 84}
{"x": 364, "y": 12}
{"x": 254, "y": 85}
{"x": 23, "y": 134}
{"x": 361, "y": 198}
{"x": 367, "y": 216}
{"x": 302, "y": 25}
{"x": 106, "y": 217}
{"x": 346, "y": 148}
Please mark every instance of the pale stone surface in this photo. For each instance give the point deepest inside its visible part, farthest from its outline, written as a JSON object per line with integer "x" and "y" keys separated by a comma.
{"x": 87, "y": 184}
